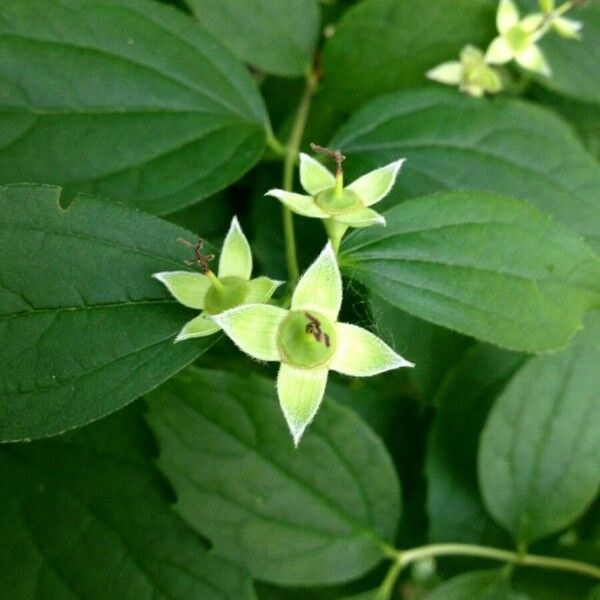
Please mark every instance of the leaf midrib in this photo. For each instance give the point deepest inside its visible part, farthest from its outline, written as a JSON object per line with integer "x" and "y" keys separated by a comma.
{"x": 59, "y": 383}
{"x": 95, "y": 239}
{"x": 475, "y": 268}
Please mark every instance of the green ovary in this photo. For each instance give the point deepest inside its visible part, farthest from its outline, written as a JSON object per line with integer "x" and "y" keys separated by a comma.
{"x": 517, "y": 38}
{"x": 306, "y": 339}
{"x": 224, "y": 294}
{"x": 334, "y": 204}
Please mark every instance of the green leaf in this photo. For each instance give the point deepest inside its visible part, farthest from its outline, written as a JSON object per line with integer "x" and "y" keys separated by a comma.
{"x": 275, "y": 36}
{"x": 594, "y": 594}
{"x": 452, "y": 142}
{"x": 583, "y": 116}
{"x": 84, "y": 328}
{"x": 555, "y": 585}
{"x": 582, "y": 82}
{"x": 487, "y": 266}
{"x": 455, "y": 508}
{"x": 384, "y": 45}
{"x": 127, "y": 99}
{"x": 539, "y": 455}
{"x": 87, "y": 515}
{"x": 476, "y": 585}
{"x": 312, "y": 515}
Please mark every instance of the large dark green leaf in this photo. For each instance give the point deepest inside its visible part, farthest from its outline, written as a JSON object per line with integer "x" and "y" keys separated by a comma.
{"x": 539, "y": 456}
{"x": 452, "y": 142}
{"x": 383, "y": 45}
{"x": 84, "y": 329}
{"x": 276, "y": 36}
{"x": 477, "y": 585}
{"x": 312, "y": 515}
{"x": 122, "y": 98}
{"x": 87, "y": 516}
{"x": 456, "y": 511}
{"x": 488, "y": 266}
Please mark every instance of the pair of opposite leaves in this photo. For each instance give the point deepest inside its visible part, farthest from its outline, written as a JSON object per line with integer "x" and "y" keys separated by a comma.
{"x": 307, "y": 339}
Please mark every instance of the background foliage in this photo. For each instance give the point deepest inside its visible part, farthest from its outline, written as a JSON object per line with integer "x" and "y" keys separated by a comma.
{"x": 180, "y": 480}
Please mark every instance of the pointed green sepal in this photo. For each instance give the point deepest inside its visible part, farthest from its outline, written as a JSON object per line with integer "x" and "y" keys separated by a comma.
{"x": 507, "y": 15}
{"x": 567, "y": 28}
{"x": 253, "y": 329}
{"x": 320, "y": 288}
{"x": 261, "y": 289}
{"x": 201, "y": 326}
{"x": 299, "y": 203}
{"x": 376, "y": 185}
{"x": 362, "y": 354}
{"x": 361, "y": 217}
{"x": 314, "y": 177}
{"x": 449, "y": 73}
{"x": 499, "y": 52}
{"x": 533, "y": 59}
{"x": 236, "y": 256}
{"x": 300, "y": 393}
{"x": 186, "y": 287}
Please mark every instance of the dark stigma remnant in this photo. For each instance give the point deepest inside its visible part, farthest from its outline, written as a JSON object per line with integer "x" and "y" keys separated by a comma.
{"x": 201, "y": 260}
{"x": 314, "y": 328}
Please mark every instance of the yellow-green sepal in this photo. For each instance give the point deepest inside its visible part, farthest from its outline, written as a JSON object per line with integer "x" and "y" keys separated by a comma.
{"x": 236, "y": 256}
{"x": 299, "y": 203}
{"x": 320, "y": 288}
{"x": 261, "y": 289}
{"x": 448, "y": 73}
{"x": 360, "y": 353}
{"x": 186, "y": 287}
{"x": 314, "y": 177}
{"x": 377, "y": 184}
{"x": 253, "y": 329}
{"x": 507, "y": 15}
{"x": 200, "y": 326}
{"x": 567, "y": 28}
{"x": 300, "y": 394}
{"x": 360, "y": 217}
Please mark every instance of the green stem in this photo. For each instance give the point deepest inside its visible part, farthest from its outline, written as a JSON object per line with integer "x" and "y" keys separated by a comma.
{"x": 406, "y": 557}
{"x": 335, "y": 232}
{"x": 292, "y": 150}
{"x": 389, "y": 583}
{"x": 274, "y": 144}
{"x": 215, "y": 280}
